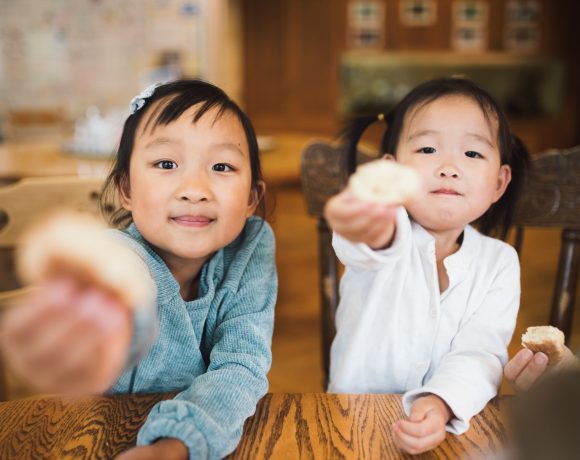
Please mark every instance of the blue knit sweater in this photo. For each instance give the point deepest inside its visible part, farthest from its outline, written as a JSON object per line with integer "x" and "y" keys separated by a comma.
{"x": 215, "y": 350}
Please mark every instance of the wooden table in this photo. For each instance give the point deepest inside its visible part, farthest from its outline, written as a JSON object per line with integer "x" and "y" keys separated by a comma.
{"x": 311, "y": 425}
{"x": 45, "y": 157}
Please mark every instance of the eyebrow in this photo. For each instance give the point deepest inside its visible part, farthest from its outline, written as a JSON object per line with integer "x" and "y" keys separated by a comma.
{"x": 229, "y": 146}
{"x": 481, "y": 138}
{"x": 162, "y": 141}
{"x": 426, "y": 132}
{"x": 170, "y": 141}
{"x": 422, "y": 133}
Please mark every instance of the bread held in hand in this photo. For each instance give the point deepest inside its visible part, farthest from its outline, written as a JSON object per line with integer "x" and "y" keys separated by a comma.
{"x": 548, "y": 340}
{"x": 78, "y": 245}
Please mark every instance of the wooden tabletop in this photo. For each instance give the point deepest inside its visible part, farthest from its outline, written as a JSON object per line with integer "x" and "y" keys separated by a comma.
{"x": 311, "y": 425}
{"x": 46, "y": 158}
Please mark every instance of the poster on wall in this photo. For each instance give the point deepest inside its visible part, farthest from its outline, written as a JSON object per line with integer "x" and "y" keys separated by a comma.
{"x": 418, "y": 13}
{"x": 366, "y": 24}
{"x": 470, "y": 21}
{"x": 522, "y": 29}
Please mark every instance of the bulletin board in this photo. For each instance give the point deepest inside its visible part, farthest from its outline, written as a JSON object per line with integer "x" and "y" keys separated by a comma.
{"x": 92, "y": 51}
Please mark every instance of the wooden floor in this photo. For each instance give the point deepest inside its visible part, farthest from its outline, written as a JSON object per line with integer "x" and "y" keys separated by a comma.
{"x": 296, "y": 344}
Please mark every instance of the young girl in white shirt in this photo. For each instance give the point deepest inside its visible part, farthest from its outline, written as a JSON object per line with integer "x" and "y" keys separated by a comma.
{"x": 428, "y": 303}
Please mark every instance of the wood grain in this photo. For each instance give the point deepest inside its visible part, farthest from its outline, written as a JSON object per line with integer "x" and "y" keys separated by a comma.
{"x": 97, "y": 427}
{"x": 319, "y": 425}
{"x": 309, "y": 425}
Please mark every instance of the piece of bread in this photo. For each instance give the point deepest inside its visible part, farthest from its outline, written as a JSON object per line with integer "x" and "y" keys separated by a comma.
{"x": 78, "y": 245}
{"x": 547, "y": 339}
{"x": 385, "y": 182}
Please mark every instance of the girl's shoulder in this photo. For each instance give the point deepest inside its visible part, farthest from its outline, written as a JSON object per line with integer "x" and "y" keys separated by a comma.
{"x": 257, "y": 234}
{"x": 493, "y": 248}
{"x": 251, "y": 255}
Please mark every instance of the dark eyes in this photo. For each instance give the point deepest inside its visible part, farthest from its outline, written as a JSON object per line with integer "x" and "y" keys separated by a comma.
{"x": 469, "y": 153}
{"x": 166, "y": 164}
{"x": 222, "y": 167}
{"x": 426, "y": 150}
{"x": 218, "y": 167}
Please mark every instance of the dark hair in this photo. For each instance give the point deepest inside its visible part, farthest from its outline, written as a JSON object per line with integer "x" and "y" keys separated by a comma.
{"x": 498, "y": 218}
{"x": 178, "y": 96}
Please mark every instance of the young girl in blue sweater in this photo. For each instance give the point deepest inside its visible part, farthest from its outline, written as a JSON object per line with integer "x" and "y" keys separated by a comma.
{"x": 188, "y": 176}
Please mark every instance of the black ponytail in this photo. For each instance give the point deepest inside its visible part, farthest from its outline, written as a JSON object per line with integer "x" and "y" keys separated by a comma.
{"x": 352, "y": 134}
{"x": 499, "y": 218}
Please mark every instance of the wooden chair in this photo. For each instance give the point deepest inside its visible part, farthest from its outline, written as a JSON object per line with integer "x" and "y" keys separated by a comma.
{"x": 551, "y": 199}
{"x": 21, "y": 204}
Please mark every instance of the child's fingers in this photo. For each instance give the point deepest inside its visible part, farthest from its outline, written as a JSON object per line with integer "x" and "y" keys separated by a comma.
{"x": 426, "y": 427}
{"x": 23, "y": 321}
{"x": 534, "y": 370}
{"x": 71, "y": 340}
{"x": 416, "y": 445}
{"x": 366, "y": 225}
{"x": 517, "y": 364}
{"x": 78, "y": 368}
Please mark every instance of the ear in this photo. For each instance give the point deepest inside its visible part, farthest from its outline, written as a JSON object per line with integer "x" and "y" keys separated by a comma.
{"x": 256, "y": 194}
{"x": 124, "y": 192}
{"x": 504, "y": 177}
{"x": 388, "y": 156}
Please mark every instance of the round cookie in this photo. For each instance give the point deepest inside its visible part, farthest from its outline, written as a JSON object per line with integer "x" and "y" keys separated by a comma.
{"x": 78, "y": 245}
{"x": 385, "y": 182}
{"x": 547, "y": 339}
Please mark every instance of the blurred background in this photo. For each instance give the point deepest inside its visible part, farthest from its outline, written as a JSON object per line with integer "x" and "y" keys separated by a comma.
{"x": 68, "y": 69}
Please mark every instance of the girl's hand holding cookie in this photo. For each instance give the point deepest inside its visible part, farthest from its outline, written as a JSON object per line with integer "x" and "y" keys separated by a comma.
{"x": 361, "y": 221}
{"x": 67, "y": 338}
{"x": 365, "y": 212}
{"x": 72, "y": 332}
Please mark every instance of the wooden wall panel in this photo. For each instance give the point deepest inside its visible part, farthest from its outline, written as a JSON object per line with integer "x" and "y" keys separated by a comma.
{"x": 293, "y": 47}
{"x": 265, "y": 26}
{"x": 299, "y": 49}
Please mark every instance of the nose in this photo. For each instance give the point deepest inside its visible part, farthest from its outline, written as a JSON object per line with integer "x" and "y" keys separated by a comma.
{"x": 194, "y": 188}
{"x": 448, "y": 170}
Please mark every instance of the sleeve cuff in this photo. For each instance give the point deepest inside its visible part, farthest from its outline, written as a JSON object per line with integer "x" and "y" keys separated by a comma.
{"x": 169, "y": 428}
{"x": 458, "y": 424}
{"x": 360, "y": 255}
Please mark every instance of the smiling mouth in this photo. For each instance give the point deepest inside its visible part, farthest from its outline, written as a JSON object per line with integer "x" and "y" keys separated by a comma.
{"x": 446, "y": 191}
{"x": 192, "y": 221}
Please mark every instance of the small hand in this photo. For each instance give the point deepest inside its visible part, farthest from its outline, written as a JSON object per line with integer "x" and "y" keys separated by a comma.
{"x": 165, "y": 448}
{"x": 64, "y": 339}
{"x": 425, "y": 428}
{"x": 360, "y": 221}
{"x": 526, "y": 367}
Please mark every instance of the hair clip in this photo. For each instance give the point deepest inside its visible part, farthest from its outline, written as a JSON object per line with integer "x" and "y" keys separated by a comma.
{"x": 139, "y": 101}
{"x": 381, "y": 116}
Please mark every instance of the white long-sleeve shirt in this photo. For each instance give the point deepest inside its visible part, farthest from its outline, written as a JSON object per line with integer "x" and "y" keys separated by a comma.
{"x": 396, "y": 333}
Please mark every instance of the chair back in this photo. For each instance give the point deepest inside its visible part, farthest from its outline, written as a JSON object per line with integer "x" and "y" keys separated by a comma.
{"x": 323, "y": 172}
{"x": 25, "y": 201}
{"x": 552, "y": 198}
